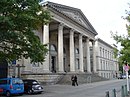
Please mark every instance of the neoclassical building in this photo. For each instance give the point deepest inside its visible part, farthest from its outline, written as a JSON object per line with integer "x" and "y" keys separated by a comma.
{"x": 70, "y": 38}
{"x": 107, "y": 65}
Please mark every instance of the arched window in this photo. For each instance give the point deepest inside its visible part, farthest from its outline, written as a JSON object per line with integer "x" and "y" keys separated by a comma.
{"x": 77, "y": 51}
{"x": 52, "y": 47}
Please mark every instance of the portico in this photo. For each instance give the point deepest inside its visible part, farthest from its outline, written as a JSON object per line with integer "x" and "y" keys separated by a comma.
{"x": 68, "y": 38}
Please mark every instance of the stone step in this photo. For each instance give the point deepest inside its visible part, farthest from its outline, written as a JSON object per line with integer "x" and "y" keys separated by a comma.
{"x": 64, "y": 78}
{"x": 82, "y": 78}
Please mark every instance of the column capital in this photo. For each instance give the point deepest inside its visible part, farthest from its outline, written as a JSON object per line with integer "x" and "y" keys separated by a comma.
{"x": 80, "y": 35}
{"x": 93, "y": 42}
{"x": 46, "y": 24}
{"x": 72, "y": 30}
{"x": 61, "y": 24}
{"x": 87, "y": 38}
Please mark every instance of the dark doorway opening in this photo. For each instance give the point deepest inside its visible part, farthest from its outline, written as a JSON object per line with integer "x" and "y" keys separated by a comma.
{"x": 3, "y": 69}
{"x": 53, "y": 61}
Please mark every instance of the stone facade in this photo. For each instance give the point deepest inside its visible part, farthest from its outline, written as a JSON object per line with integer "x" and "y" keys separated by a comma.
{"x": 107, "y": 65}
{"x": 69, "y": 37}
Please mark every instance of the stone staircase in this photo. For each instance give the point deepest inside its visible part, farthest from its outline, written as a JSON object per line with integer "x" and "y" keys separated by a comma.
{"x": 82, "y": 78}
{"x": 63, "y": 78}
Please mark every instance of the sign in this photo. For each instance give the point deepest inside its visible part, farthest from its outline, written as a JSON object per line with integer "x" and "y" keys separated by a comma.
{"x": 126, "y": 67}
{"x": 14, "y": 62}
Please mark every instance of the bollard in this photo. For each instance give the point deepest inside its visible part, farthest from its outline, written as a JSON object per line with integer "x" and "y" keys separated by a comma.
{"x": 114, "y": 93}
{"x": 107, "y": 94}
{"x": 125, "y": 90}
{"x": 122, "y": 91}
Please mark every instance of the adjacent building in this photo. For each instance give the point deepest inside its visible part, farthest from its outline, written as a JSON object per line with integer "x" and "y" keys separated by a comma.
{"x": 107, "y": 65}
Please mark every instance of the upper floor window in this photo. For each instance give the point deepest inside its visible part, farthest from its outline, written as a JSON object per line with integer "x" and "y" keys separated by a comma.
{"x": 35, "y": 64}
{"x": 100, "y": 51}
{"x": 103, "y": 52}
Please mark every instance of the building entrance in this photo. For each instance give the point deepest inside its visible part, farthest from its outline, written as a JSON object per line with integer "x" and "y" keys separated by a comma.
{"x": 53, "y": 64}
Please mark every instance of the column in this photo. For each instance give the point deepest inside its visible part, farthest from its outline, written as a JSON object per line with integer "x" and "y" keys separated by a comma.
{"x": 72, "y": 61}
{"x": 88, "y": 56}
{"x": 60, "y": 48}
{"x": 81, "y": 53}
{"x": 94, "y": 57}
{"x": 46, "y": 41}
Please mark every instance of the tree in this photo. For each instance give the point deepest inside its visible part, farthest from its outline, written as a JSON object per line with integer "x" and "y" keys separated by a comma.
{"x": 18, "y": 21}
{"x": 124, "y": 40}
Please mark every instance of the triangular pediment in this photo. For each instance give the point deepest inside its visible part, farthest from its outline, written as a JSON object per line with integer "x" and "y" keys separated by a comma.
{"x": 73, "y": 13}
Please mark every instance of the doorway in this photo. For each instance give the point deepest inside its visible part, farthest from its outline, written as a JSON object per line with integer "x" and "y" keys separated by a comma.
{"x": 53, "y": 64}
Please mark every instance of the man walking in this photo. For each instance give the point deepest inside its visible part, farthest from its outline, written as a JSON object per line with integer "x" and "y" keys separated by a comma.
{"x": 75, "y": 80}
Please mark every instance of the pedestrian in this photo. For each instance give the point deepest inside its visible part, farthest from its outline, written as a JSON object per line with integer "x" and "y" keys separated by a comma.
{"x": 73, "y": 80}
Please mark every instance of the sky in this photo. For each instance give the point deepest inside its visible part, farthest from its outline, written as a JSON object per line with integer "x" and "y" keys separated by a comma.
{"x": 104, "y": 15}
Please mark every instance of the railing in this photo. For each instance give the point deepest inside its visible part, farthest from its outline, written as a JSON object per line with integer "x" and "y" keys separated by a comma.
{"x": 118, "y": 93}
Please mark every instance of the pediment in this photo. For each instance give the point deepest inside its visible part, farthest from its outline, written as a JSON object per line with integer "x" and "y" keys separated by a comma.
{"x": 73, "y": 13}
{"x": 76, "y": 16}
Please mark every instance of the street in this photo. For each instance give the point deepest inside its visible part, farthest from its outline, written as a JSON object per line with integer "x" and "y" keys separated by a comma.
{"x": 97, "y": 89}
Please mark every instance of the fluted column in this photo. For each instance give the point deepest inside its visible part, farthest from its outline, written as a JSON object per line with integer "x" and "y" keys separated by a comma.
{"x": 88, "y": 56}
{"x": 46, "y": 41}
{"x": 94, "y": 58}
{"x": 81, "y": 53}
{"x": 60, "y": 48}
{"x": 72, "y": 61}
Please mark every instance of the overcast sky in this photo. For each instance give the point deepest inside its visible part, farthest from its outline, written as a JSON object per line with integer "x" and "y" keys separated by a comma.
{"x": 104, "y": 15}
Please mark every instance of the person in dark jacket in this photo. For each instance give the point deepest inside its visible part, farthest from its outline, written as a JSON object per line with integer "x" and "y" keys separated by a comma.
{"x": 75, "y": 80}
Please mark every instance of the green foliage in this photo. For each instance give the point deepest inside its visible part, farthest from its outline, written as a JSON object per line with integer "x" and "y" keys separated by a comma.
{"x": 124, "y": 40}
{"x": 18, "y": 21}
{"x": 115, "y": 52}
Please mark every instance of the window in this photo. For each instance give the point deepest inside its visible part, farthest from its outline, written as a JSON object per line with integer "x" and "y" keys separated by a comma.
{"x": 17, "y": 81}
{"x": 35, "y": 64}
{"x": 53, "y": 47}
{"x": 101, "y": 63}
{"x": 64, "y": 51}
{"x": 103, "y": 52}
{"x": 108, "y": 54}
{"x": 77, "y": 51}
{"x": 100, "y": 51}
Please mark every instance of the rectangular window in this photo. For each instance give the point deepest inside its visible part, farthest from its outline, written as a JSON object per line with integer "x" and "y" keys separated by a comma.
{"x": 35, "y": 64}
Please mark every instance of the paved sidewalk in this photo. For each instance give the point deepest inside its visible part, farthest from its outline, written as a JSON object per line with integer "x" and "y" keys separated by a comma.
{"x": 61, "y": 89}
